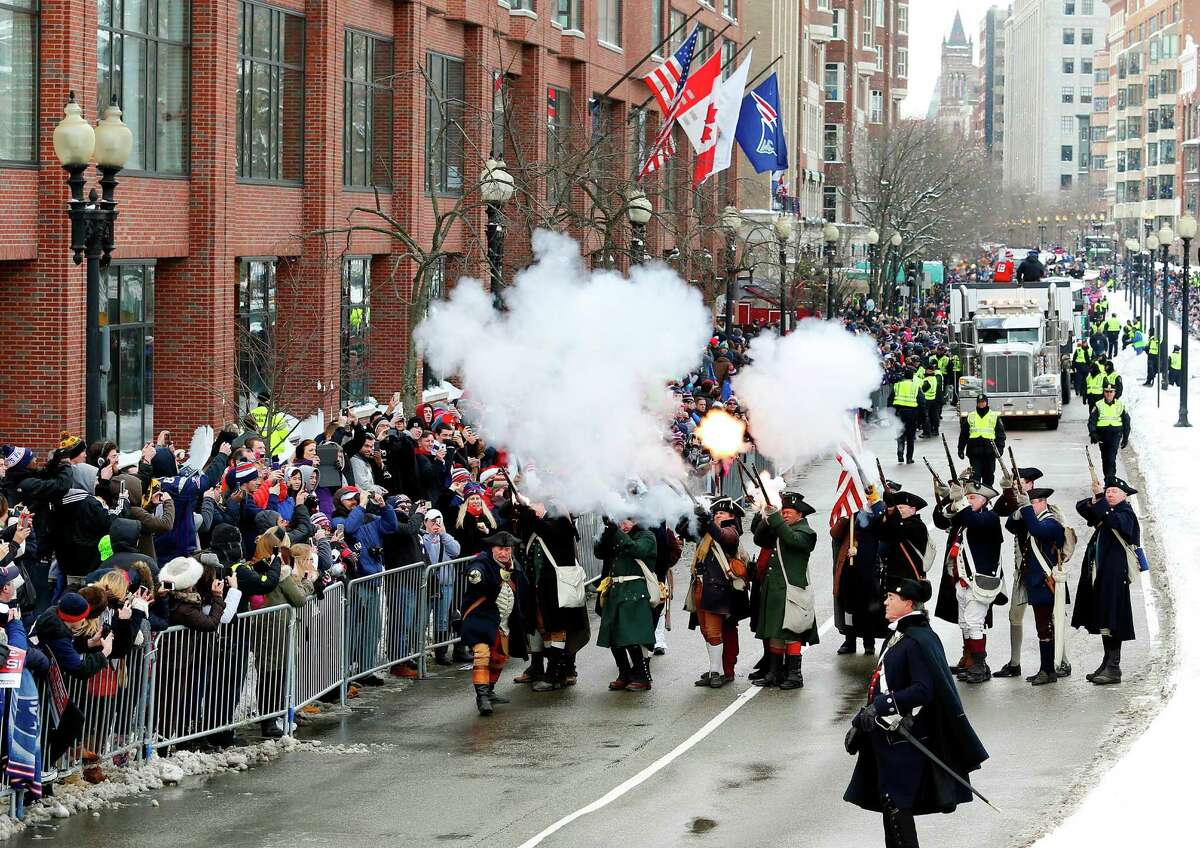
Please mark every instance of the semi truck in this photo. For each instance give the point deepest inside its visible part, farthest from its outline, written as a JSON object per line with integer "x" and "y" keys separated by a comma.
{"x": 1015, "y": 341}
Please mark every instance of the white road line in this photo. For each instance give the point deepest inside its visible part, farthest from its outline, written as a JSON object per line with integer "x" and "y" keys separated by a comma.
{"x": 661, "y": 763}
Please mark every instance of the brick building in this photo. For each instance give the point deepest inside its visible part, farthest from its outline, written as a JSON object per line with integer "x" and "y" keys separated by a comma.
{"x": 257, "y": 126}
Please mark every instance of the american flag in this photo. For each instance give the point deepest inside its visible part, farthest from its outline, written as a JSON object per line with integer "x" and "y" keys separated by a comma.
{"x": 666, "y": 81}
{"x": 664, "y": 145}
{"x": 849, "y": 497}
{"x": 551, "y": 106}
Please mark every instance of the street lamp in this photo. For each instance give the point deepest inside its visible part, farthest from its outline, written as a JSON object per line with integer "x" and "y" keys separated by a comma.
{"x": 830, "y": 234}
{"x": 1041, "y": 222}
{"x": 783, "y": 229}
{"x": 93, "y": 221}
{"x": 496, "y": 188}
{"x": 1151, "y": 250}
{"x": 872, "y": 254}
{"x": 640, "y": 211}
{"x": 1131, "y": 247}
{"x": 894, "y": 253}
{"x": 730, "y": 222}
{"x": 1187, "y": 232}
{"x": 1165, "y": 237}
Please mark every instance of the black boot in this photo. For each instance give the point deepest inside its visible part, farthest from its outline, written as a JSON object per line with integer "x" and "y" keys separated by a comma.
{"x": 639, "y": 674}
{"x": 849, "y": 646}
{"x": 1112, "y": 669}
{"x": 462, "y": 653}
{"x": 868, "y": 646}
{"x": 979, "y": 671}
{"x": 1046, "y": 674}
{"x": 771, "y": 677}
{"x": 439, "y": 656}
{"x": 760, "y": 667}
{"x": 552, "y": 679}
{"x": 1104, "y": 662}
{"x": 482, "y": 702}
{"x": 793, "y": 678}
{"x": 622, "y": 660}
{"x": 534, "y": 672}
{"x": 494, "y": 698}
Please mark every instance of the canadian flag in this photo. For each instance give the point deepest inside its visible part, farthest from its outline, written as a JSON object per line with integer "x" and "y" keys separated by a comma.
{"x": 715, "y": 152}
{"x": 697, "y": 96}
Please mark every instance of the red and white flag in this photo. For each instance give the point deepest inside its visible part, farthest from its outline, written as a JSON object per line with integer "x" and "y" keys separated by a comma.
{"x": 720, "y": 125}
{"x": 697, "y": 94}
{"x": 849, "y": 497}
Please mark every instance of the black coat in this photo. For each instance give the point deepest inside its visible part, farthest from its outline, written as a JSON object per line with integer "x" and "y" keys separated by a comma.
{"x": 1102, "y": 599}
{"x": 559, "y": 535}
{"x": 917, "y": 674}
{"x": 903, "y": 542}
{"x": 1030, "y": 270}
{"x": 858, "y": 593}
{"x": 481, "y": 615}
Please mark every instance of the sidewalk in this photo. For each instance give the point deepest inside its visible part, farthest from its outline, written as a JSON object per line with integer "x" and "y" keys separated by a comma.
{"x": 1147, "y": 797}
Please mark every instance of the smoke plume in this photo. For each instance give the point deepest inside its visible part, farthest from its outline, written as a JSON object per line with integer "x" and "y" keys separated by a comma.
{"x": 571, "y": 378}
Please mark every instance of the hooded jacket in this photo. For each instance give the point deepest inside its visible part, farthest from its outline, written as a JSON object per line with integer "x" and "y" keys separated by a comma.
{"x": 185, "y": 491}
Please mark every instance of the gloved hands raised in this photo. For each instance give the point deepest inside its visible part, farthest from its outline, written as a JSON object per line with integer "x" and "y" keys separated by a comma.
{"x": 873, "y": 495}
{"x": 956, "y": 492}
{"x": 941, "y": 491}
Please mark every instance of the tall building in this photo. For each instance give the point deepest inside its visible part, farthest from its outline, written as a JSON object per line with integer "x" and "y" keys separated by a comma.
{"x": 1151, "y": 113}
{"x": 989, "y": 120}
{"x": 798, "y": 33}
{"x": 866, "y": 78}
{"x": 260, "y": 124}
{"x": 1049, "y": 73}
{"x": 955, "y": 94}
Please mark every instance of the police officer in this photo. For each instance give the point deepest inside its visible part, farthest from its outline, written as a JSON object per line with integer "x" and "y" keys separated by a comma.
{"x": 906, "y": 401}
{"x": 1152, "y": 354}
{"x": 930, "y": 389}
{"x": 1093, "y": 384}
{"x": 1079, "y": 363}
{"x": 955, "y": 373}
{"x": 1108, "y": 426}
{"x": 1111, "y": 377}
{"x": 980, "y": 435}
{"x": 1112, "y": 331}
{"x": 1175, "y": 367}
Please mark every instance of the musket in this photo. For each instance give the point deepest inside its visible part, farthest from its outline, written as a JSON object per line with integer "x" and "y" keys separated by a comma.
{"x": 936, "y": 479}
{"x": 1091, "y": 466}
{"x": 670, "y": 595}
{"x": 758, "y": 482}
{"x": 1013, "y": 460}
{"x": 882, "y": 476}
{"x": 904, "y": 731}
{"x": 949, "y": 458}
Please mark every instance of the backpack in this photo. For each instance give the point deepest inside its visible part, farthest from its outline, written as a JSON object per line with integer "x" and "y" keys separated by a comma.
{"x": 1070, "y": 537}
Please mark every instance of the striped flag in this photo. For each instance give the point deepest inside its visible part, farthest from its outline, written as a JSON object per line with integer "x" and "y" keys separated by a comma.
{"x": 849, "y": 497}
{"x": 664, "y": 145}
{"x": 667, "y": 79}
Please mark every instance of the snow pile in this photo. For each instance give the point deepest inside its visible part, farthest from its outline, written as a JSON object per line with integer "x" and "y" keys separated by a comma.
{"x": 79, "y": 797}
{"x": 572, "y": 378}
{"x": 1151, "y": 787}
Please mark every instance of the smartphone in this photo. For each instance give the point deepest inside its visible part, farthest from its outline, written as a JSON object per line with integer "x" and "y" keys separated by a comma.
{"x": 27, "y": 518}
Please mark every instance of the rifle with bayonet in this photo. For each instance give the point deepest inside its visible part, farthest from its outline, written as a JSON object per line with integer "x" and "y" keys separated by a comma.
{"x": 949, "y": 458}
{"x": 937, "y": 481}
{"x": 1091, "y": 466}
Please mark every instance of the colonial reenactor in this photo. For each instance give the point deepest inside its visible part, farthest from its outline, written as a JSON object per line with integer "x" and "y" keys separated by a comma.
{"x": 1152, "y": 354}
{"x": 906, "y": 400}
{"x": 1006, "y": 507}
{"x": 492, "y": 626}
{"x": 785, "y": 534}
{"x": 626, "y": 612}
{"x": 911, "y": 692}
{"x": 857, "y": 590}
{"x": 906, "y": 544}
{"x": 1108, "y": 426}
{"x": 976, "y": 576}
{"x": 718, "y": 592}
{"x": 1102, "y": 603}
{"x": 980, "y": 436}
{"x": 549, "y": 545}
{"x": 1046, "y": 549}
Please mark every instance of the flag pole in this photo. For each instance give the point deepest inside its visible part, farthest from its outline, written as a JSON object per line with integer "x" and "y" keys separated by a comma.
{"x": 653, "y": 51}
{"x": 727, "y": 65}
{"x": 764, "y": 70}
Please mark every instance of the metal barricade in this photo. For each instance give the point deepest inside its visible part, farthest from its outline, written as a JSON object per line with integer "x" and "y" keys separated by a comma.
{"x": 319, "y": 645}
{"x": 383, "y": 620}
{"x": 589, "y": 526}
{"x": 442, "y": 589}
{"x": 207, "y": 682}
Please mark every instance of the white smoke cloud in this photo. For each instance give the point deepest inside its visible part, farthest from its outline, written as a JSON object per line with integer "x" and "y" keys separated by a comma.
{"x": 800, "y": 388}
{"x": 572, "y": 378}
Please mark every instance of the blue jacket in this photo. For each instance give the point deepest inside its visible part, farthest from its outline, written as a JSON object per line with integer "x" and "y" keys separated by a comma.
{"x": 983, "y": 536}
{"x": 1049, "y": 536}
{"x": 366, "y": 531}
{"x": 185, "y": 491}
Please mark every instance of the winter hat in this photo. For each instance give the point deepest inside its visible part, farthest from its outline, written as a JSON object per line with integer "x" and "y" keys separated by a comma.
{"x": 472, "y": 489}
{"x": 265, "y": 519}
{"x": 347, "y": 493}
{"x": 243, "y": 472}
{"x": 15, "y": 459}
{"x": 487, "y": 474}
{"x": 73, "y": 607}
{"x": 459, "y": 475}
{"x": 8, "y": 574}
{"x": 70, "y": 446}
{"x": 320, "y": 519}
{"x": 226, "y": 543}
{"x": 400, "y": 503}
{"x": 182, "y": 573}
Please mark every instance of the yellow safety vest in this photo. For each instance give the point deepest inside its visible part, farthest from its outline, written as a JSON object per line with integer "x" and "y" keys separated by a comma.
{"x": 905, "y": 393}
{"x": 1112, "y": 325}
{"x": 1176, "y": 360}
{"x": 1110, "y": 379}
{"x": 1109, "y": 414}
{"x": 1095, "y": 384}
{"x": 931, "y": 383}
{"x": 956, "y": 363}
{"x": 982, "y": 427}
{"x": 1153, "y": 346}
{"x": 1081, "y": 354}
{"x": 944, "y": 365}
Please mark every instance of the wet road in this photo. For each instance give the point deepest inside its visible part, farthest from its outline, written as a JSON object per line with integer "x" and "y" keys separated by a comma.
{"x": 676, "y": 766}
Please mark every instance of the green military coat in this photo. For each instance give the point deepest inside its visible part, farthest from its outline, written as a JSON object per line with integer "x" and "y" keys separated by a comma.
{"x": 796, "y": 542}
{"x": 626, "y": 617}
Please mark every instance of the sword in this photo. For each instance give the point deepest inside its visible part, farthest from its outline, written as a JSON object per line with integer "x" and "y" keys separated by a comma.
{"x": 903, "y": 731}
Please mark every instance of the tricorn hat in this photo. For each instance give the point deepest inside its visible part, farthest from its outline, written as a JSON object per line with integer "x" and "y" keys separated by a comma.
{"x": 1040, "y": 494}
{"x": 903, "y": 498}
{"x": 1118, "y": 483}
{"x": 1030, "y": 473}
{"x": 974, "y": 487}
{"x": 502, "y": 539}
{"x": 724, "y": 503}
{"x": 795, "y": 500}
{"x": 913, "y": 590}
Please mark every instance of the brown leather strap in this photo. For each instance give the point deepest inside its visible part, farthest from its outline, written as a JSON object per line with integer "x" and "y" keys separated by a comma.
{"x": 474, "y": 606}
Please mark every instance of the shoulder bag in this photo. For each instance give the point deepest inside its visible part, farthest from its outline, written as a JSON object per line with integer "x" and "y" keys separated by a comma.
{"x": 1135, "y": 557}
{"x": 800, "y": 606}
{"x": 570, "y": 580}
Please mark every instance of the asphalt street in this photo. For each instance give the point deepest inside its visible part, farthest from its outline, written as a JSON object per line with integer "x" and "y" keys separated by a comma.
{"x": 675, "y": 766}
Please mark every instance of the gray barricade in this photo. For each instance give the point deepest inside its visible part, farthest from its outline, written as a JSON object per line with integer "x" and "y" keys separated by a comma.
{"x": 320, "y": 645}
{"x": 382, "y": 620}
{"x": 589, "y": 527}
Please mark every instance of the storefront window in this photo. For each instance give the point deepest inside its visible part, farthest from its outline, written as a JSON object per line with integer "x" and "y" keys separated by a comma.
{"x": 127, "y": 322}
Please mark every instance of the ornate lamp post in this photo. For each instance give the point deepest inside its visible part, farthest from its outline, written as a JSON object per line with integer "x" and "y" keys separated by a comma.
{"x": 894, "y": 252}
{"x": 1165, "y": 236}
{"x": 830, "y": 234}
{"x": 783, "y": 229}
{"x": 1148, "y": 273}
{"x": 1041, "y": 222}
{"x": 496, "y": 188}
{"x": 640, "y": 210}
{"x": 730, "y": 222}
{"x": 1131, "y": 247}
{"x": 1187, "y": 232}
{"x": 93, "y": 221}
{"x": 872, "y": 254}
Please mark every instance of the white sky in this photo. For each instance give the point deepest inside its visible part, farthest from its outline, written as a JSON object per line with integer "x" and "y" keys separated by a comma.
{"x": 930, "y": 22}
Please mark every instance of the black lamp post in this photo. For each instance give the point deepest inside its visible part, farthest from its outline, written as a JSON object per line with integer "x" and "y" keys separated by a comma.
{"x": 496, "y": 188}
{"x": 830, "y": 234}
{"x": 1165, "y": 237}
{"x": 1187, "y": 231}
{"x": 1041, "y": 222}
{"x": 783, "y": 229}
{"x": 640, "y": 211}
{"x": 1148, "y": 280}
{"x": 731, "y": 221}
{"x": 93, "y": 222}
{"x": 872, "y": 258}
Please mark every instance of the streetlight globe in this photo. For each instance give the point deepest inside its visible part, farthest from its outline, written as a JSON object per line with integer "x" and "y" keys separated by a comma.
{"x": 1152, "y": 242}
{"x": 1131, "y": 245}
{"x": 114, "y": 140}
{"x": 731, "y": 221}
{"x": 1166, "y": 235}
{"x": 830, "y": 233}
{"x": 640, "y": 209}
{"x": 74, "y": 138}
{"x": 783, "y": 227}
{"x": 1187, "y": 226}
{"x": 896, "y": 240}
{"x": 872, "y": 237}
{"x": 496, "y": 185}
{"x": 1147, "y": 216}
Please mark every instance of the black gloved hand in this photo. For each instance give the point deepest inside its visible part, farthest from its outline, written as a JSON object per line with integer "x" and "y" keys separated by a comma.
{"x": 865, "y": 720}
{"x": 702, "y": 514}
{"x": 1124, "y": 443}
{"x": 962, "y": 454}
{"x": 1095, "y": 439}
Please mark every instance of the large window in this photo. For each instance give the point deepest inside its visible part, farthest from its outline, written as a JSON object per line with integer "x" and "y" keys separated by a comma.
{"x": 569, "y": 14}
{"x": 902, "y": 62}
{"x": 608, "y": 13}
{"x": 656, "y": 25}
{"x": 18, "y": 76}
{"x": 558, "y": 124}
{"x": 367, "y": 111}
{"x": 255, "y": 325}
{"x": 142, "y": 60}
{"x": 876, "y": 102}
{"x": 833, "y": 81}
{"x": 127, "y": 389}
{"x": 729, "y": 8}
{"x": 270, "y": 107}
{"x": 902, "y": 19}
{"x": 676, "y": 20}
{"x": 443, "y": 125}
{"x": 356, "y": 324}
{"x": 833, "y": 143}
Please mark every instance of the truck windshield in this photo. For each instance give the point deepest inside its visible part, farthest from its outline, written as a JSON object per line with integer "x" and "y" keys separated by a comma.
{"x": 1002, "y": 336}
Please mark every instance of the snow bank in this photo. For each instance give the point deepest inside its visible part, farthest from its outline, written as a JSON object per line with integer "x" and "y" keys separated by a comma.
{"x": 1148, "y": 795}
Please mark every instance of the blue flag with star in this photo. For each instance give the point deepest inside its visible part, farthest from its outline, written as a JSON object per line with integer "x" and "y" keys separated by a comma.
{"x": 760, "y": 128}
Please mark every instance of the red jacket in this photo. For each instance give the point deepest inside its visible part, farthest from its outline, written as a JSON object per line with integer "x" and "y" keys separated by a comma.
{"x": 1004, "y": 271}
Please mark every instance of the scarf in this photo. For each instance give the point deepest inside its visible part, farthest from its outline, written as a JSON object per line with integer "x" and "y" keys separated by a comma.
{"x": 23, "y": 738}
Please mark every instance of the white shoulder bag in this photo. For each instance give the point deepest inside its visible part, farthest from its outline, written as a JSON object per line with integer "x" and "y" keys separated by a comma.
{"x": 571, "y": 580}
{"x": 800, "y": 609}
